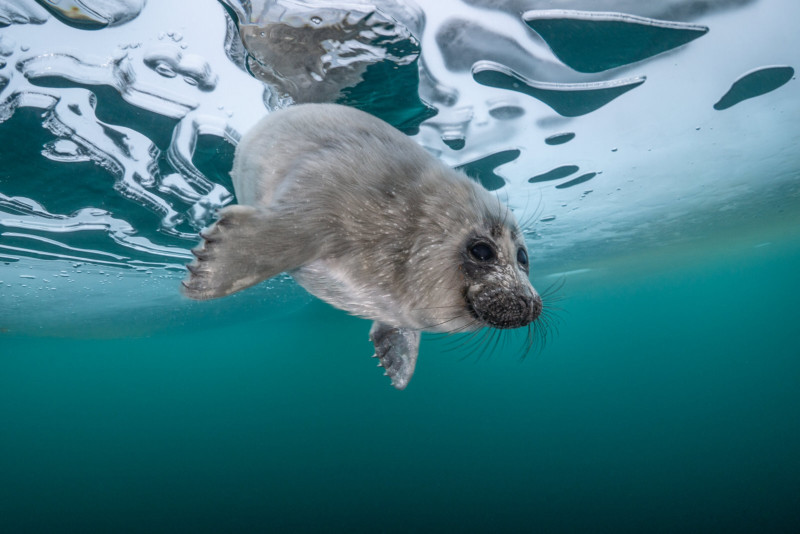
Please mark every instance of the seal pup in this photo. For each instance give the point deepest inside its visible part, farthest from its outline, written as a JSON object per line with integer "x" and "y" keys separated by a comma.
{"x": 365, "y": 219}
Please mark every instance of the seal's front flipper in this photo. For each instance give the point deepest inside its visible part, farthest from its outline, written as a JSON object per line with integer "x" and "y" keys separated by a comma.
{"x": 397, "y": 349}
{"x": 244, "y": 247}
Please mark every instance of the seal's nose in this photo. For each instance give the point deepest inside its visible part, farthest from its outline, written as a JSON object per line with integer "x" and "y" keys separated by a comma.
{"x": 533, "y": 304}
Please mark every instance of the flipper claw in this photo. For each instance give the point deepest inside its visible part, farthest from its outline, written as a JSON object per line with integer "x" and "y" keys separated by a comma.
{"x": 397, "y": 349}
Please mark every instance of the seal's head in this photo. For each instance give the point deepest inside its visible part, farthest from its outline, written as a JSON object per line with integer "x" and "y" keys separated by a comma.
{"x": 497, "y": 291}
{"x": 466, "y": 265}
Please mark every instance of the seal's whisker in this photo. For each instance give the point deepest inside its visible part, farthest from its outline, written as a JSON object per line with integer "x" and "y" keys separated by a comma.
{"x": 456, "y": 343}
{"x": 549, "y": 314}
{"x": 505, "y": 213}
{"x": 499, "y": 341}
{"x": 440, "y": 307}
{"x": 488, "y": 341}
{"x": 529, "y": 342}
{"x": 533, "y": 342}
{"x": 551, "y": 290}
{"x": 495, "y": 340}
{"x": 549, "y": 326}
{"x": 435, "y": 325}
{"x": 471, "y": 328}
{"x": 550, "y": 323}
{"x": 529, "y": 220}
{"x": 476, "y": 344}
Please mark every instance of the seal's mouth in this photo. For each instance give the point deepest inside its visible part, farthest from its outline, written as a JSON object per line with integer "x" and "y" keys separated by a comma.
{"x": 503, "y": 309}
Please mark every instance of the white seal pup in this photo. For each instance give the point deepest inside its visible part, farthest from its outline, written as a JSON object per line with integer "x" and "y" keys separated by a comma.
{"x": 366, "y": 220}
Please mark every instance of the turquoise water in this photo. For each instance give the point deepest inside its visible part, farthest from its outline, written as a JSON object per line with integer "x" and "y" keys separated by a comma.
{"x": 668, "y": 402}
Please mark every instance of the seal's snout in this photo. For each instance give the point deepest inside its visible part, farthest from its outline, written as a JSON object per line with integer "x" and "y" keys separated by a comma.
{"x": 503, "y": 309}
{"x": 532, "y": 305}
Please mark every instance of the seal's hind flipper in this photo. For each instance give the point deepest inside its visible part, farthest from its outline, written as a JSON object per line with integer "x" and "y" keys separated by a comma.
{"x": 244, "y": 247}
{"x": 397, "y": 349}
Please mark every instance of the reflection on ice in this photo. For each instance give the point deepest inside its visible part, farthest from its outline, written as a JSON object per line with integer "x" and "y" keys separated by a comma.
{"x": 567, "y": 99}
{"x": 309, "y": 51}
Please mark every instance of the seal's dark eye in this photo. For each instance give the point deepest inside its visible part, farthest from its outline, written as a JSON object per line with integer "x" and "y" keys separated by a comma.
{"x": 482, "y": 252}
{"x": 522, "y": 256}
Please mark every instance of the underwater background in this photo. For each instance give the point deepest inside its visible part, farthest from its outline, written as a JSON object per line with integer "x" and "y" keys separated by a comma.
{"x": 658, "y": 177}
{"x": 667, "y": 403}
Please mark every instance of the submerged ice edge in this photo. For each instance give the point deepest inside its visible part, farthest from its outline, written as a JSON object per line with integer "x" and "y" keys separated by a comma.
{"x": 25, "y": 214}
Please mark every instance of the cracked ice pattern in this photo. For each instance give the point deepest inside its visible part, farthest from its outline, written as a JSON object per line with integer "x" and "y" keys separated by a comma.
{"x": 154, "y": 171}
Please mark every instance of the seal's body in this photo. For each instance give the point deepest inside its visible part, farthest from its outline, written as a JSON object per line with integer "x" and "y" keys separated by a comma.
{"x": 363, "y": 218}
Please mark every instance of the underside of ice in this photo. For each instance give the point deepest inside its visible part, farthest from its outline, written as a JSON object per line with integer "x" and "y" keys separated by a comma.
{"x": 119, "y": 119}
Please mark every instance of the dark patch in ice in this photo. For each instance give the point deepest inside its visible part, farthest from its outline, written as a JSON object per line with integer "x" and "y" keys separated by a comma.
{"x": 396, "y": 101}
{"x": 755, "y": 83}
{"x": 660, "y": 9}
{"x": 554, "y": 174}
{"x": 576, "y": 181}
{"x": 560, "y": 138}
{"x": 567, "y": 99}
{"x": 452, "y": 126}
{"x": 482, "y": 170}
{"x": 591, "y": 41}
{"x": 213, "y": 157}
{"x": 505, "y": 112}
{"x": 553, "y": 121}
{"x": 456, "y": 143}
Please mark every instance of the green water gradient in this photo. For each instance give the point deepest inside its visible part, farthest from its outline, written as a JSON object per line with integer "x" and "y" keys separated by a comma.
{"x": 669, "y": 402}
